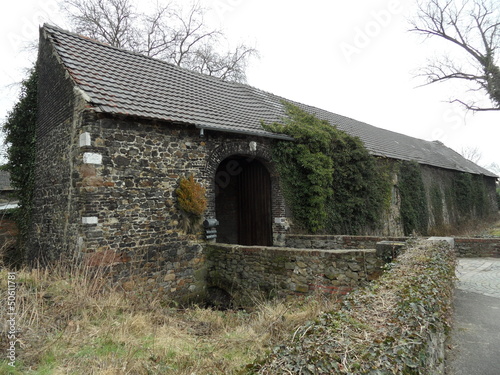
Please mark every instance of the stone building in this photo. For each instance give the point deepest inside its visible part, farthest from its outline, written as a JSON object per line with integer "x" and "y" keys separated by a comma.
{"x": 117, "y": 131}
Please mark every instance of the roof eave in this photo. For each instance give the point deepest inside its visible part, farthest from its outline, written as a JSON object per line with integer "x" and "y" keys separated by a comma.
{"x": 246, "y": 132}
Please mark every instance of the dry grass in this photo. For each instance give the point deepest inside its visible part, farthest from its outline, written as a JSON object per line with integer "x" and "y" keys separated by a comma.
{"x": 72, "y": 322}
{"x": 494, "y": 229}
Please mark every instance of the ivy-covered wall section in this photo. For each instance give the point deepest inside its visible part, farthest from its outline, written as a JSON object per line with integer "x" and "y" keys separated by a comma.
{"x": 457, "y": 201}
{"x": 333, "y": 185}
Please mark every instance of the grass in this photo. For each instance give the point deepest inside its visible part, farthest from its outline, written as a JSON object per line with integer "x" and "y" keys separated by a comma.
{"x": 494, "y": 230}
{"x": 72, "y": 322}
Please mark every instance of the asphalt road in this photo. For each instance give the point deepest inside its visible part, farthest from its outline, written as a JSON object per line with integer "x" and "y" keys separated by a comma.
{"x": 474, "y": 345}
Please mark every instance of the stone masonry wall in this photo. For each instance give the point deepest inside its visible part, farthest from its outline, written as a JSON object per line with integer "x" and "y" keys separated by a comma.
{"x": 477, "y": 247}
{"x": 286, "y": 271}
{"x": 336, "y": 242}
{"x": 446, "y": 217}
{"x": 127, "y": 177}
{"x": 54, "y": 232}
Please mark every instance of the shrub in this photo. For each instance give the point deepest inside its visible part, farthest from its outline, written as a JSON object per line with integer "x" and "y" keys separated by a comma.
{"x": 191, "y": 196}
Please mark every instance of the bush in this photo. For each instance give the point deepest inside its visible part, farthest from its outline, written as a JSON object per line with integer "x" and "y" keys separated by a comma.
{"x": 191, "y": 196}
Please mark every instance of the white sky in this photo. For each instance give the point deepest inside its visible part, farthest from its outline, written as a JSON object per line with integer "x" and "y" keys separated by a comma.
{"x": 353, "y": 58}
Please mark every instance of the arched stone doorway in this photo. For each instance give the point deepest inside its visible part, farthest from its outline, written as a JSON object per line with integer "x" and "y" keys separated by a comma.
{"x": 243, "y": 202}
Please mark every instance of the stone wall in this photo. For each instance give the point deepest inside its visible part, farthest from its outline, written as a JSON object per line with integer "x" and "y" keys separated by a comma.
{"x": 55, "y": 214}
{"x": 242, "y": 270}
{"x": 8, "y": 239}
{"x": 477, "y": 247}
{"x": 444, "y": 215}
{"x": 336, "y": 242}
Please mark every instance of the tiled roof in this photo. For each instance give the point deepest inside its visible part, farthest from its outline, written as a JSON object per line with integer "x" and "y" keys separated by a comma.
{"x": 116, "y": 81}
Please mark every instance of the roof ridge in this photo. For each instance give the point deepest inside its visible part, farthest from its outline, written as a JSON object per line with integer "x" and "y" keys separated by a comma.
{"x": 141, "y": 55}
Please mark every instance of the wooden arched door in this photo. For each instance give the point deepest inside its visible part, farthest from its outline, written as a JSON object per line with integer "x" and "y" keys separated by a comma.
{"x": 243, "y": 202}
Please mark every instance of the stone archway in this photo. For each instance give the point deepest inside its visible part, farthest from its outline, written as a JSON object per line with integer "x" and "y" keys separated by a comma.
{"x": 248, "y": 150}
{"x": 243, "y": 203}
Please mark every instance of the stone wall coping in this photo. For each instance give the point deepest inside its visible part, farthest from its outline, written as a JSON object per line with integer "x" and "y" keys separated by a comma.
{"x": 344, "y": 236}
{"x": 477, "y": 240}
{"x": 276, "y": 249}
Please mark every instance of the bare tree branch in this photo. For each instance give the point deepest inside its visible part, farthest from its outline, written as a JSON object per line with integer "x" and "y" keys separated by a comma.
{"x": 168, "y": 33}
{"x": 474, "y": 27}
{"x": 472, "y": 153}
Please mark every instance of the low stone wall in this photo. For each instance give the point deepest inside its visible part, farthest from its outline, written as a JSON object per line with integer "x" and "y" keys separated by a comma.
{"x": 477, "y": 247}
{"x": 336, "y": 241}
{"x": 465, "y": 247}
{"x": 287, "y": 271}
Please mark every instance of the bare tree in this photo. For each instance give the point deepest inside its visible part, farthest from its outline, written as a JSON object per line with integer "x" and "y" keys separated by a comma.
{"x": 169, "y": 33}
{"x": 472, "y": 153}
{"x": 474, "y": 27}
{"x": 495, "y": 168}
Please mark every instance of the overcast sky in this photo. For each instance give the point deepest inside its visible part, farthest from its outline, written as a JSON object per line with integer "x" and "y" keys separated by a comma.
{"x": 353, "y": 58}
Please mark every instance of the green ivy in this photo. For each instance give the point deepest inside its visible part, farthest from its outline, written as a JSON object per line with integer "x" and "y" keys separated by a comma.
{"x": 330, "y": 180}
{"x": 414, "y": 211}
{"x": 470, "y": 196}
{"x": 19, "y": 129}
{"x": 437, "y": 205}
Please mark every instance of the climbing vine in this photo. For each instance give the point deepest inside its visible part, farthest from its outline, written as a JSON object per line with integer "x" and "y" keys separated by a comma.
{"x": 331, "y": 182}
{"x": 498, "y": 197}
{"x": 414, "y": 211}
{"x": 19, "y": 129}
{"x": 436, "y": 197}
{"x": 469, "y": 196}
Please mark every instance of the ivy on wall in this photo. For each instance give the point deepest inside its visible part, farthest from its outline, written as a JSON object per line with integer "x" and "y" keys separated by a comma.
{"x": 470, "y": 196}
{"x": 414, "y": 211}
{"x": 465, "y": 197}
{"x": 437, "y": 207}
{"x": 19, "y": 129}
{"x": 331, "y": 182}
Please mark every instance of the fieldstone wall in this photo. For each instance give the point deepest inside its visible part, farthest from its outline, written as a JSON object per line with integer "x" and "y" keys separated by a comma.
{"x": 336, "y": 242}
{"x": 286, "y": 271}
{"x": 55, "y": 214}
{"x": 477, "y": 247}
{"x": 444, "y": 216}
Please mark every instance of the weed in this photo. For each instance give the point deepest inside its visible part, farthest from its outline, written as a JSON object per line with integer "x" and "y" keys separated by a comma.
{"x": 72, "y": 321}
